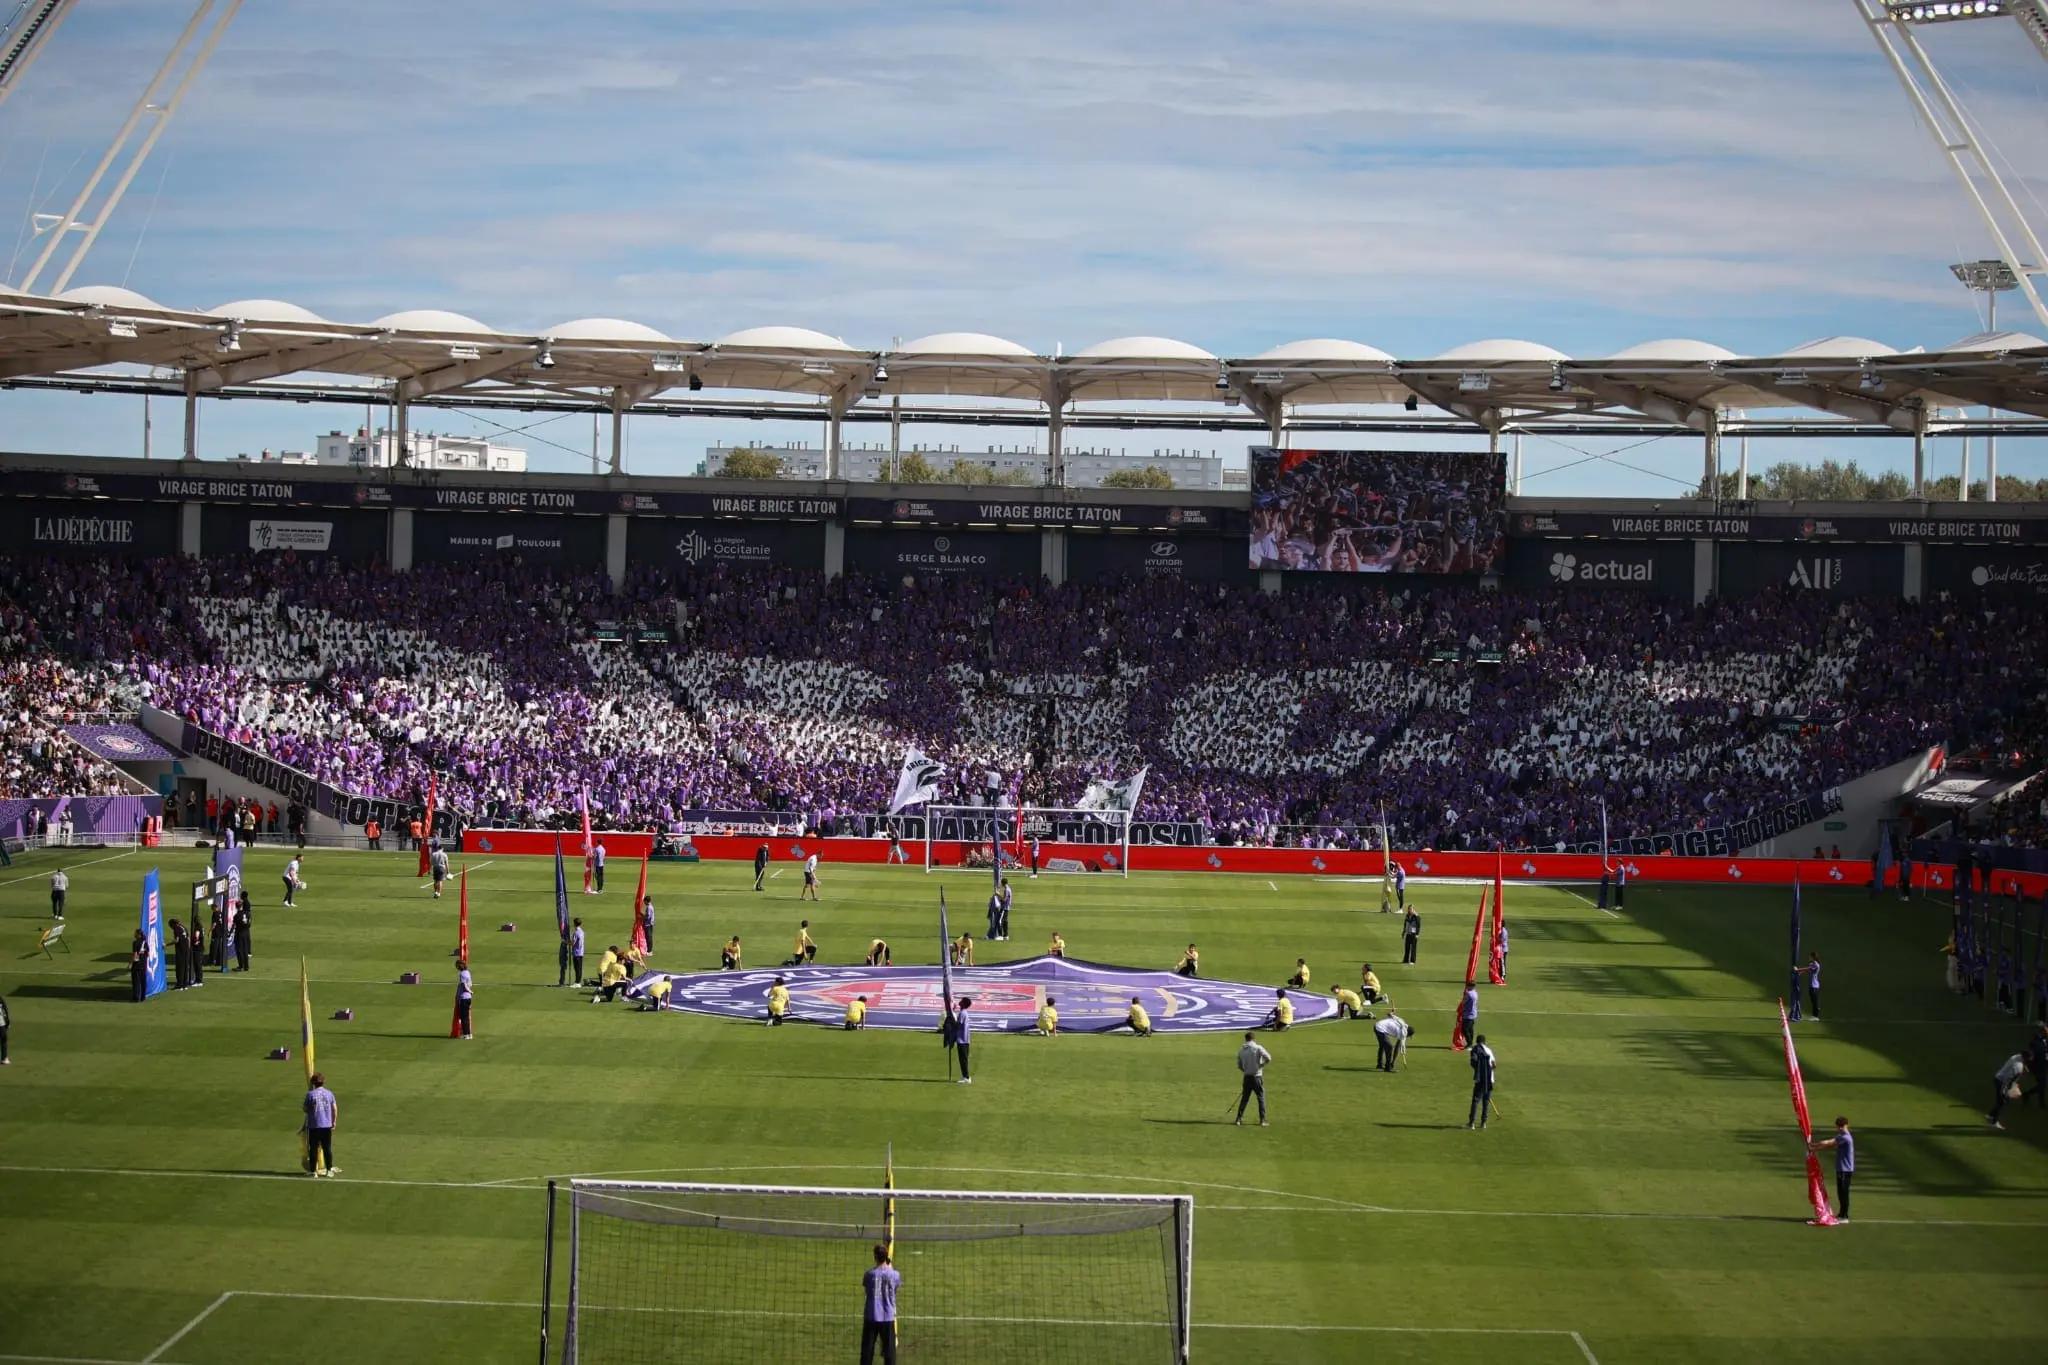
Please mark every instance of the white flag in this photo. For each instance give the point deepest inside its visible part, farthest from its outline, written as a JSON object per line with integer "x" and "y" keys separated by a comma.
{"x": 917, "y": 782}
{"x": 1121, "y": 796}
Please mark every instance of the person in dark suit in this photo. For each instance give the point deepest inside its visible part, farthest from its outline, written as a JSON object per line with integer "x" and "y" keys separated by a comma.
{"x": 1482, "y": 1083}
{"x": 1411, "y": 931}
{"x": 760, "y": 866}
{"x": 242, "y": 936}
{"x": 138, "y": 967}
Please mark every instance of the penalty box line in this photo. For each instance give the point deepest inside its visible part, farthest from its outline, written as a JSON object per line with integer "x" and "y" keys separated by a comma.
{"x": 156, "y": 1357}
{"x": 535, "y": 1183}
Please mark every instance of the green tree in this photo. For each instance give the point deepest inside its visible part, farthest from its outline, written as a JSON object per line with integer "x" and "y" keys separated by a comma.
{"x": 1151, "y": 476}
{"x": 913, "y": 467}
{"x": 745, "y": 462}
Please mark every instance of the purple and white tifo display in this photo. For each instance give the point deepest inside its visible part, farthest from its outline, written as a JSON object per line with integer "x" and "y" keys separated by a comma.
{"x": 1091, "y": 997}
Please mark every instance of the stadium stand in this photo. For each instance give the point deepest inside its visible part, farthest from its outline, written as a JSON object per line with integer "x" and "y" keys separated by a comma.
{"x": 1467, "y": 715}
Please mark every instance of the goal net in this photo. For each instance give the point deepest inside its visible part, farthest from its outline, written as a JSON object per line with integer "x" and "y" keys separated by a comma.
{"x": 1069, "y": 839}
{"x": 661, "y": 1272}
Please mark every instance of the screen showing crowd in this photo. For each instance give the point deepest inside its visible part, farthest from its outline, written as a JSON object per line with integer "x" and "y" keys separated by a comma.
{"x": 1378, "y": 511}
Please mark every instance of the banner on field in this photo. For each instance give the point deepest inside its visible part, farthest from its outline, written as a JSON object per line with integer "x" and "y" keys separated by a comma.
{"x": 152, "y": 925}
{"x": 1722, "y": 840}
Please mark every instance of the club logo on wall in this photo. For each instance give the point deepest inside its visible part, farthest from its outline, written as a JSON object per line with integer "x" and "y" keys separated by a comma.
{"x": 941, "y": 544}
{"x": 119, "y": 744}
{"x": 1165, "y": 549}
{"x": 694, "y": 548}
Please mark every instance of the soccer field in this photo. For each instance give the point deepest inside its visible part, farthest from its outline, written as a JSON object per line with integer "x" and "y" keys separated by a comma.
{"x": 1640, "y": 1199}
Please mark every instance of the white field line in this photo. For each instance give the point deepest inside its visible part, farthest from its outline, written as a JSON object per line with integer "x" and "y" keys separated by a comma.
{"x": 1271, "y": 887}
{"x": 456, "y": 874}
{"x": 1585, "y": 1350}
{"x": 186, "y": 1330}
{"x": 44, "y": 875}
{"x": 1596, "y": 905}
{"x": 1321, "y": 1204}
{"x": 530, "y": 1304}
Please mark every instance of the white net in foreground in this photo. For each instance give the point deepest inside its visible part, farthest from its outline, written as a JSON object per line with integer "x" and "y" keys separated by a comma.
{"x": 663, "y": 1272}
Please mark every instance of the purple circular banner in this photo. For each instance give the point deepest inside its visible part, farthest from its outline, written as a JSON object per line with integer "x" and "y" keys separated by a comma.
{"x": 1006, "y": 995}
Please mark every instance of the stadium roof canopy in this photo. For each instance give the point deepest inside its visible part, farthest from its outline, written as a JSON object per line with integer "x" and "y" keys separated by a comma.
{"x": 433, "y": 357}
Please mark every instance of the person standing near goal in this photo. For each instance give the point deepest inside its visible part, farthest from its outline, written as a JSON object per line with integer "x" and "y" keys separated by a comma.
{"x": 878, "y": 1319}
{"x": 1252, "y": 1061}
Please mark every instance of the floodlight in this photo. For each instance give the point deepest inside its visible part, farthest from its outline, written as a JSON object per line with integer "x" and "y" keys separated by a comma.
{"x": 230, "y": 338}
{"x": 1557, "y": 379}
{"x": 669, "y": 362}
{"x": 1986, "y": 277}
{"x": 881, "y": 371}
{"x": 817, "y": 369}
{"x": 1869, "y": 380}
{"x": 1411, "y": 403}
{"x": 696, "y": 383}
{"x": 546, "y": 358}
{"x": 1223, "y": 381}
{"x": 1269, "y": 377}
{"x": 464, "y": 353}
{"x": 121, "y": 327}
{"x": 1474, "y": 381}
{"x": 1942, "y": 11}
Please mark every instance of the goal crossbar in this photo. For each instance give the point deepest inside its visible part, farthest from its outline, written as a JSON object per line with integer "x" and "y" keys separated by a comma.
{"x": 1071, "y": 838}
{"x": 1003, "y": 1275}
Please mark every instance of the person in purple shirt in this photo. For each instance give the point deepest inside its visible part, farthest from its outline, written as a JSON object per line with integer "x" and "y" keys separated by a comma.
{"x": 322, "y": 1109}
{"x": 878, "y": 1312}
{"x": 1844, "y": 1143}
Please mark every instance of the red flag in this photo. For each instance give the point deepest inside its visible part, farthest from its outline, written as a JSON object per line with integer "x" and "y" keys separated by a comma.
{"x": 1497, "y": 961}
{"x": 461, "y": 951}
{"x": 427, "y": 831}
{"x": 1459, "y": 1042}
{"x": 640, "y": 909}
{"x": 1816, "y": 1191}
{"x": 583, "y": 804}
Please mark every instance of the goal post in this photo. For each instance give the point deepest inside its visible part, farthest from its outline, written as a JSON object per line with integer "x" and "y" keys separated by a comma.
{"x": 1071, "y": 839}
{"x": 687, "y": 1272}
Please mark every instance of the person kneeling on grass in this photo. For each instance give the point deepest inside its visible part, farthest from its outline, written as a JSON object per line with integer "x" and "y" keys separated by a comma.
{"x": 1137, "y": 1021}
{"x": 802, "y": 949}
{"x": 1369, "y": 985}
{"x": 963, "y": 951}
{"x": 655, "y": 997}
{"x": 1300, "y": 977}
{"x": 611, "y": 976}
{"x": 1048, "y": 1018}
{"x": 1190, "y": 963}
{"x": 1281, "y": 1017}
{"x": 878, "y": 954}
{"x": 778, "y": 1002}
{"x": 729, "y": 956}
{"x": 1058, "y": 946}
{"x": 1349, "y": 1006}
{"x": 857, "y": 1013}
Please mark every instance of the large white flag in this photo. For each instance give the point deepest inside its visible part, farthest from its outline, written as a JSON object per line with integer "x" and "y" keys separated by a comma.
{"x": 1121, "y": 796}
{"x": 918, "y": 781}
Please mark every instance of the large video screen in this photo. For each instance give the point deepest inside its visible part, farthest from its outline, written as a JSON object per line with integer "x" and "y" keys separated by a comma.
{"x": 1378, "y": 511}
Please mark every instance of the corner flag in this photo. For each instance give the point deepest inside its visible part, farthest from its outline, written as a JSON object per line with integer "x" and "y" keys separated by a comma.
{"x": 640, "y": 910}
{"x": 583, "y": 805}
{"x": 1459, "y": 1042}
{"x": 1497, "y": 958}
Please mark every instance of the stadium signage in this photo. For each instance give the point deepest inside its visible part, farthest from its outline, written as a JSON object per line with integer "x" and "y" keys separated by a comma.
{"x": 226, "y": 490}
{"x": 1020, "y": 512}
{"x": 309, "y": 537}
{"x": 1722, "y": 841}
{"x": 263, "y": 771}
{"x": 84, "y": 531}
{"x": 501, "y": 499}
{"x": 1633, "y": 526}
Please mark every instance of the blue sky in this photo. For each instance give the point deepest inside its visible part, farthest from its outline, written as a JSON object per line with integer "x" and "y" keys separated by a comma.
{"x": 1585, "y": 173}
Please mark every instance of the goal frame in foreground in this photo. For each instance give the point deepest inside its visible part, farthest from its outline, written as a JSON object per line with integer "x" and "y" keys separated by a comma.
{"x": 1014, "y": 827}
{"x": 1179, "y": 1207}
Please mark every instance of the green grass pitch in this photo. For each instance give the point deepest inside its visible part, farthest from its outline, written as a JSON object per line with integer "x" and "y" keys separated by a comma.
{"x": 1640, "y": 1200}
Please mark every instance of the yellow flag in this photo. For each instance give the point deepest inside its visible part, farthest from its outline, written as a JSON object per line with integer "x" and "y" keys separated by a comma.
{"x": 306, "y": 1023}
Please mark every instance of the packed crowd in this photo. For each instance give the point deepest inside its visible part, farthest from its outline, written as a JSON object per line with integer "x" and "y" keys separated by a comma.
{"x": 41, "y": 692}
{"x": 1463, "y": 716}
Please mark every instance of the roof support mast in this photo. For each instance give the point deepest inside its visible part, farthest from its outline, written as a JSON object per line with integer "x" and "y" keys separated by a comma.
{"x": 158, "y": 104}
{"x": 1892, "y": 24}
{"x": 23, "y": 41}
